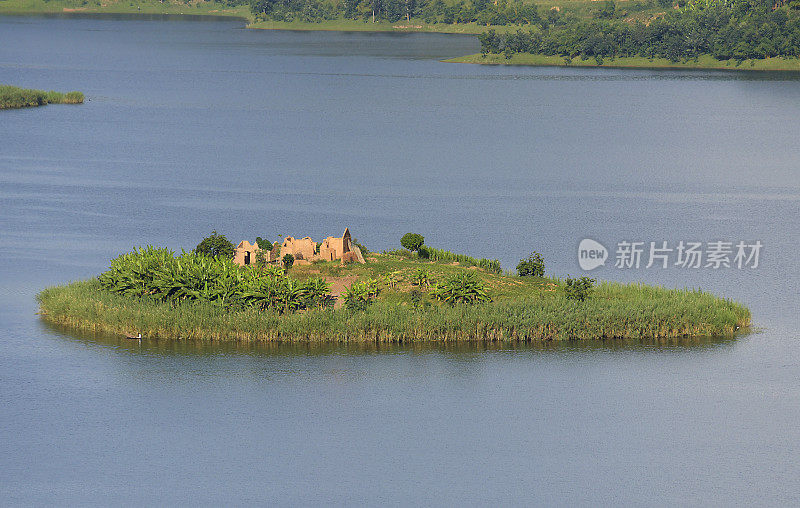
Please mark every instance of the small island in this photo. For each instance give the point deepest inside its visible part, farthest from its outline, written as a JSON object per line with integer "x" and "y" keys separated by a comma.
{"x": 337, "y": 291}
{"x": 12, "y": 97}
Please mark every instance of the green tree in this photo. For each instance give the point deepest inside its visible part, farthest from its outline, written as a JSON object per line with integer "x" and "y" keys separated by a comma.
{"x": 288, "y": 261}
{"x": 532, "y": 266}
{"x": 412, "y": 241}
{"x": 216, "y": 245}
{"x": 261, "y": 258}
{"x": 490, "y": 42}
{"x": 264, "y": 243}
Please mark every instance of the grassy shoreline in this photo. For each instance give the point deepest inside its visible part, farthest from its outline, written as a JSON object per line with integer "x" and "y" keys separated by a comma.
{"x": 347, "y": 25}
{"x": 523, "y": 309}
{"x": 25, "y": 7}
{"x": 703, "y": 62}
{"x": 12, "y": 97}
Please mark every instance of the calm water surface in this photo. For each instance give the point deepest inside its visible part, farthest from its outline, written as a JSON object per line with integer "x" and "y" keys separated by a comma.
{"x": 194, "y": 126}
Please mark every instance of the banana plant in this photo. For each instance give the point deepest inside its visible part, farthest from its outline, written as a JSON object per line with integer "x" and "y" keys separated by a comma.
{"x": 461, "y": 288}
{"x": 421, "y": 278}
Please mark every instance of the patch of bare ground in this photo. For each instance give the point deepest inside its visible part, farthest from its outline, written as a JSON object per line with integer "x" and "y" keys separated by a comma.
{"x": 338, "y": 286}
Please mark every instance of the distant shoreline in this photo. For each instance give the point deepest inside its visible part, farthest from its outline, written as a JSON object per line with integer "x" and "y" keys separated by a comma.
{"x": 346, "y": 25}
{"x": 154, "y": 8}
{"x": 704, "y": 62}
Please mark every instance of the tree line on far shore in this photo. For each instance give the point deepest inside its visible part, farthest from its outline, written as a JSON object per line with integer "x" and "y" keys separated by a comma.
{"x": 483, "y": 12}
{"x": 727, "y": 30}
{"x": 672, "y": 29}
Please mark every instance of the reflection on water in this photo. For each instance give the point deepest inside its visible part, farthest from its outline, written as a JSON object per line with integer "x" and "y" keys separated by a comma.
{"x": 288, "y": 349}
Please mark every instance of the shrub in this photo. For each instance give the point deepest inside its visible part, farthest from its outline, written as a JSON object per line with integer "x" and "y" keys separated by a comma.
{"x": 273, "y": 292}
{"x": 157, "y": 274}
{"x": 424, "y": 252}
{"x": 286, "y": 295}
{"x": 578, "y": 289}
{"x": 261, "y": 258}
{"x": 274, "y": 271}
{"x": 421, "y": 278}
{"x": 532, "y": 266}
{"x": 216, "y": 245}
{"x": 461, "y": 288}
{"x": 132, "y": 274}
{"x": 392, "y": 279}
{"x": 360, "y": 295}
{"x": 412, "y": 241}
{"x": 263, "y": 243}
{"x": 316, "y": 293}
{"x": 199, "y": 277}
{"x": 288, "y": 261}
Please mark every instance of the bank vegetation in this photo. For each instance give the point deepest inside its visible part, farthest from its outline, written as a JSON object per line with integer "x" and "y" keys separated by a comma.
{"x": 394, "y": 297}
{"x": 12, "y": 97}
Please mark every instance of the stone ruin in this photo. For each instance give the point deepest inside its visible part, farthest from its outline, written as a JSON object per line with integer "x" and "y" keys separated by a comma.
{"x": 304, "y": 250}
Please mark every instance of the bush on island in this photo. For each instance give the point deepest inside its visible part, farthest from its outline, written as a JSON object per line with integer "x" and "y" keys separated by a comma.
{"x": 216, "y": 246}
{"x": 360, "y": 295}
{"x": 412, "y": 241}
{"x": 263, "y": 243}
{"x": 157, "y": 276}
{"x": 288, "y": 261}
{"x": 578, "y": 289}
{"x": 532, "y": 266}
{"x": 464, "y": 288}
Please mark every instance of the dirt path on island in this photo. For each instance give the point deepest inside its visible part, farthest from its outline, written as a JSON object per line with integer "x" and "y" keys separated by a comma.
{"x": 338, "y": 285}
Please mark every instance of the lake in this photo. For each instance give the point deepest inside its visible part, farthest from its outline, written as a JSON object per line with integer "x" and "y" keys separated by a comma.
{"x": 196, "y": 125}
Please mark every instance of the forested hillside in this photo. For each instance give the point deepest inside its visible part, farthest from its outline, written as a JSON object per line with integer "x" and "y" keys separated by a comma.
{"x": 675, "y": 30}
{"x": 557, "y": 31}
{"x": 727, "y": 30}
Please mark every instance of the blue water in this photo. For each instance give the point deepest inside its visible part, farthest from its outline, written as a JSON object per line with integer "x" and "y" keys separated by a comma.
{"x": 192, "y": 126}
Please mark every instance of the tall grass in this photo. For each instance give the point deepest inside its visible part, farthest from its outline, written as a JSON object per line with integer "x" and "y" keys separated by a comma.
{"x": 12, "y": 97}
{"x": 615, "y": 311}
{"x": 434, "y": 254}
